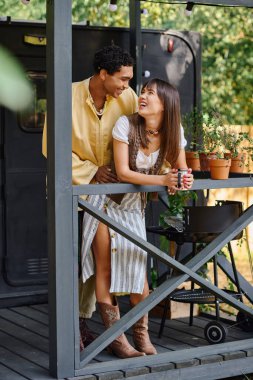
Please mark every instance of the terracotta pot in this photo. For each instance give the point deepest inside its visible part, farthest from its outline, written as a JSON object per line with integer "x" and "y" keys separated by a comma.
{"x": 192, "y": 160}
{"x": 204, "y": 159}
{"x": 219, "y": 168}
{"x": 237, "y": 163}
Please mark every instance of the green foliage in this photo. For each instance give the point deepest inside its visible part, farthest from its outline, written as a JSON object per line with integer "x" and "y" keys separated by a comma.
{"x": 176, "y": 204}
{"x": 193, "y": 129}
{"x": 208, "y": 132}
{"x": 213, "y": 130}
{"x": 227, "y": 60}
{"x": 17, "y": 10}
{"x": 227, "y": 43}
{"x": 178, "y": 201}
{"x": 97, "y": 13}
{"x": 15, "y": 89}
{"x": 236, "y": 142}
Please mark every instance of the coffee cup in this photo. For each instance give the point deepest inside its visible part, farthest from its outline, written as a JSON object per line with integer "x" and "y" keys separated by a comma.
{"x": 180, "y": 174}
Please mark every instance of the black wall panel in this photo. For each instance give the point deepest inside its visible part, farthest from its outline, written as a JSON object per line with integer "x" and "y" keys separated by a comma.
{"x": 171, "y": 55}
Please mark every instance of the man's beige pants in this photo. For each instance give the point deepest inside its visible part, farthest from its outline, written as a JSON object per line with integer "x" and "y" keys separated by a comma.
{"x": 87, "y": 298}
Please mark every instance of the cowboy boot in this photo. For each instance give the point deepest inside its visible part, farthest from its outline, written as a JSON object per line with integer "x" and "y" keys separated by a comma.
{"x": 141, "y": 336}
{"x": 120, "y": 346}
{"x": 85, "y": 335}
{"x": 81, "y": 343}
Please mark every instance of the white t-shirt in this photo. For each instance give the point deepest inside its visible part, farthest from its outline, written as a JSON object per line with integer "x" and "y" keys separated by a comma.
{"x": 120, "y": 132}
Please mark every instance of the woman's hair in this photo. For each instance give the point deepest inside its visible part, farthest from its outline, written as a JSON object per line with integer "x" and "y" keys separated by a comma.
{"x": 111, "y": 58}
{"x": 170, "y": 129}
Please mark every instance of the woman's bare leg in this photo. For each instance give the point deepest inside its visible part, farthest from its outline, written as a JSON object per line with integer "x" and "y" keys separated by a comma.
{"x": 136, "y": 298}
{"x": 101, "y": 247}
{"x": 109, "y": 310}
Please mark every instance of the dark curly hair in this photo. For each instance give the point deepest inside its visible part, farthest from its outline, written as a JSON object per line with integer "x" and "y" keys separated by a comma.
{"x": 111, "y": 58}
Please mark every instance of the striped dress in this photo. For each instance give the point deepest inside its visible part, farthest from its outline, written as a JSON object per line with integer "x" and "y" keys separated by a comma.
{"x": 128, "y": 262}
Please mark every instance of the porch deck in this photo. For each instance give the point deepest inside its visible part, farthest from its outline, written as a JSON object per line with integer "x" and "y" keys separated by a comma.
{"x": 24, "y": 349}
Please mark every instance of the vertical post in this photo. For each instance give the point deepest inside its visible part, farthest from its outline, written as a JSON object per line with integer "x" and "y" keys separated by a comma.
{"x": 61, "y": 289}
{"x": 76, "y": 249}
{"x": 136, "y": 42}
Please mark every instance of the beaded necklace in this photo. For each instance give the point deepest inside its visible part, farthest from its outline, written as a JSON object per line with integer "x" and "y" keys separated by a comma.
{"x": 98, "y": 112}
{"x": 152, "y": 132}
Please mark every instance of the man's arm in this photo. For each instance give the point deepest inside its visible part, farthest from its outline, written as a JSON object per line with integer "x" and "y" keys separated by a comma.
{"x": 83, "y": 172}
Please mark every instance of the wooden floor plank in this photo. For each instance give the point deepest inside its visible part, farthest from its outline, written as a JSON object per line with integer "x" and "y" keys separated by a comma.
{"x": 165, "y": 344}
{"x": 22, "y": 366}
{"x": 23, "y": 321}
{"x": 24, "y": 341}
{"x": 8, "y": 374}
{"x": 31, "y": 313}
{"x": 234, "y": 330}
{"x": 24, "y": 350}
{"x": 41, "y": 307}
{"x": 169, "y": 343}
{"x": 193, "y": 332}
{"x": 21, "y": 333}
{"x": 187, "y": 337}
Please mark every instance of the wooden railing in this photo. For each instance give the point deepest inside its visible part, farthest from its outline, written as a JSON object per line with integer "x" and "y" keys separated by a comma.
{"x": 166, "y": 288}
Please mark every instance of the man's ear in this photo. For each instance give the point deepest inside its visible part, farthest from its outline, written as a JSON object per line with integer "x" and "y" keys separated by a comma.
{"x": 103, "y": 74}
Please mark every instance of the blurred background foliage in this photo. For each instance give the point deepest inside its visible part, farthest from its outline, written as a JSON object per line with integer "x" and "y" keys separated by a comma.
{"x": 16, "y": 91}
{"x": 227, "y": 33}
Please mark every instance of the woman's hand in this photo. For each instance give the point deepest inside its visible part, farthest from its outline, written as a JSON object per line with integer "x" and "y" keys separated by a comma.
{"x": 187, "y": 180}
{"x": 170, "y": 180}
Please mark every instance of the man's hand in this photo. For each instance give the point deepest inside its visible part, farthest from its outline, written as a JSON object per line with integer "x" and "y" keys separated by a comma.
{"x": 105, "y": 175}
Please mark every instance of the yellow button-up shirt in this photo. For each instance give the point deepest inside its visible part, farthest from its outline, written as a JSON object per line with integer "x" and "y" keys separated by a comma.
{"x": 91, "y": 135}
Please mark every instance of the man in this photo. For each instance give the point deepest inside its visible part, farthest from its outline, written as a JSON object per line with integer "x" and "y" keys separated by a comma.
{"x": 97, "y": 103}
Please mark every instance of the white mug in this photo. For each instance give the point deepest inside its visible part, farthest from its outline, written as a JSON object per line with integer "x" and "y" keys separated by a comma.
{"x": 180, "y": 174}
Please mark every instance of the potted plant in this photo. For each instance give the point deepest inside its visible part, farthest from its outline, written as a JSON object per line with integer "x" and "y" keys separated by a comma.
{"x": 212, "y": 156}
{"x": 237, "y": 144}
{"x": 192, "y": 123}
{"x": 220, "y": 167}
{"x": 202, "y": 130}
{"x": 211, "y": 143}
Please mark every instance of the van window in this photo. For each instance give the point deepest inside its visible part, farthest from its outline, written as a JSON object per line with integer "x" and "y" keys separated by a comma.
{"x": 32, "y": 120}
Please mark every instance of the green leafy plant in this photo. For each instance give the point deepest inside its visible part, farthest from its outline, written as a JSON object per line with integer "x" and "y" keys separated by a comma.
{"x": 193, "y": 129}
{"x": 239, "y": 144}
{"x": 205, "y": 131}
{"x": 176, "y": 204}
{"x": 213, "y": 128}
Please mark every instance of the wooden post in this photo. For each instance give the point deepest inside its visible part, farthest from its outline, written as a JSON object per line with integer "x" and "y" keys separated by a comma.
{"x": 61, "y": 292}
{"x": 135, "y": 42}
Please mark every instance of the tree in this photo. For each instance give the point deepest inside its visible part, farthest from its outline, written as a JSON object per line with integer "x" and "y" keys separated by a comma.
{"x": 227, "y": 43}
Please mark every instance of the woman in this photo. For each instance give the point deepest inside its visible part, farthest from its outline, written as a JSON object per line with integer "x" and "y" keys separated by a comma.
{"x": 145, "y": 144}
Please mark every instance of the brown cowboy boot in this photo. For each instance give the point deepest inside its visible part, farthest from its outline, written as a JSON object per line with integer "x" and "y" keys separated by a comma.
{"x": 86, "y": 336}
{"x": 120, "y": 346}
{"x": 81, "y": 343}
{"x": 141, "y": 336}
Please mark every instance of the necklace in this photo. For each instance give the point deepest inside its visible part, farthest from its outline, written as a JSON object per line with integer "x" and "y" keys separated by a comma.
{"x": 98, "y": 112}
{"x": 152, "y": 132}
